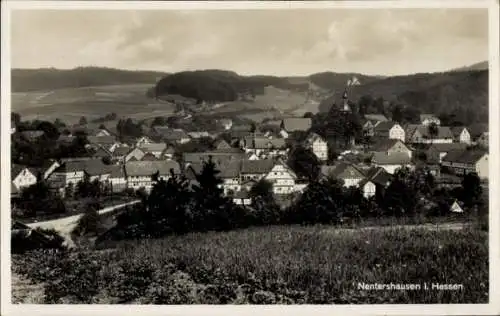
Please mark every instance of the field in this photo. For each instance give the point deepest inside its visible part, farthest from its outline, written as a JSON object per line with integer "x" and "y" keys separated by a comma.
{"x": 272, "y": 265}
{"x": 130, "y": 101}
{"x": 93, "y": 102}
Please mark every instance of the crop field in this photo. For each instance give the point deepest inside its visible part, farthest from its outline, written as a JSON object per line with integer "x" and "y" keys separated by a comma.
{"x": 93, "y": 102}
{"x": 271, "y": 265}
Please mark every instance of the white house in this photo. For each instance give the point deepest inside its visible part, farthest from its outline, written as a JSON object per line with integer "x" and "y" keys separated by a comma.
{"x": 391, "y": 146}
{"x": 139, "y": 173}
{"x": 22, "y": 177}
{"x": 467, "y": 161}
{"x": 282, "y": 178}
{"x": 389, "y": 129}
{"x": 391, "y": 162}
{"x": 318, "y": 146}
{"x": 368, "y": 188}
{"x": 70, "y": 172}
{"x": 461, "y": 134}
{"x": 428, "y": 119}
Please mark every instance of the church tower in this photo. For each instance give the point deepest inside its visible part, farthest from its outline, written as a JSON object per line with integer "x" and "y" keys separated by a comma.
{"x": 345, "y": 100}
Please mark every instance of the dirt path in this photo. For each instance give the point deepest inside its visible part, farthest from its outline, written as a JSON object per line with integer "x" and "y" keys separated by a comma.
{"x": 66, "y": 225}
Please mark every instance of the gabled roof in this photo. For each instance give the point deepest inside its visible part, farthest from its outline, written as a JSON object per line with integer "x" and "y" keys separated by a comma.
{"x": 344, "y": 171}
{"x": 121, "y": 151}
{"x": 96, "y": 167}
{"x": 382, "y": 158}
{"x": 297, "y": 124}
{"x": 147, "y": 168}
{"x": 385, "y": 144}
{"x": 230, "y": 170}
{"x": 102, "y": 152}
{"x": 256, "y": 166}
{"x": 376, "y": 117}
{"x": 457, "y": 130}
{"x": 116, "y": 171}
{"x": 464, "y": 156}
{"x": 443, "y": 148}
{"x": 384, "y": 126}
{"x": 428, "y": 116}
{"x": 379, "y": 176}
{"x": 152, "y": 147}
{"x": 443, "y": 132}
{"x": 104, "y": 140}
{"x": 221, "y": 144}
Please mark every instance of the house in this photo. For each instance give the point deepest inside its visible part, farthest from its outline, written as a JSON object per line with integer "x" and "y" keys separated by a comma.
{"x": 168, "y": 153}
{"x": 368, "y": 188}
{"x": 376, "y": 118}
{"x": 293, "y": 124}
{"x": 255, "y": 169}
{"x": 149, "y": 157}
{"x": 46, "y": 169}
{"x": 219, "y": 158}
{"x": 368, "y": 128}
{"x": 22, "y": 176}
{"x": 154, "y": 148}
{"x": 252, "y": 156}
{"x": 135, "y": 154}
{"x": 390, "y": 146}
{"x": 102, "y": 141}
{"x": 221, "y": 144}
{"x": 230, "y": 176}
{"x": 380, "y": 177}
{"x": 461, "y": 134}
{"x": 282, "y": 178}
{"x": 264, "y": 147}
{"x": 436, "y": 152}
{"x": 428, "y": 119}
{"x": 242, "y": 197}
{"x": 117, "y": 179}
{"x": 391, "y": 162}
{"x": 348, "y": 173}
{"x": 143, "y": 140}
{"x": 120, "y": 152}
{"x": 423, "y": 134}
{"x": 196, "y": 135}
{"x": 389, "y": 129}
{"x": 456, "y": 208}
{"x": 318, "y": 146}
{"x": 139, "y": 173}
{"x": 476, "y": 130}
{"x": 102, "y": 132}
{"x": 467, "y": 161}
{"x": 72, "y": 171}
{"x": 102, "y": 152}
{"x": 170, "y": 135}
{"x": 96, "y": 170}
{"x": 483, "y": 139}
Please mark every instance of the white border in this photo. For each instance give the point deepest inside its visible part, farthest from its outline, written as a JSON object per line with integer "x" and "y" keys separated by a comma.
{"x": 452, "y": 309}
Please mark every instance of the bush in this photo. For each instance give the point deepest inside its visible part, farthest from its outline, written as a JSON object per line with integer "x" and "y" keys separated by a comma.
{"x": 90, "y": 222}
{"x": 26, "y": 240}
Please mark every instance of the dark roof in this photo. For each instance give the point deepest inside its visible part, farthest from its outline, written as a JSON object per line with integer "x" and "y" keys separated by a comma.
{"x": 149, "y": 157}
{"x": 15, "y": 169}
{"x": 378, "y": 175}
{"x": 145, "y": 168}
{"x": 102, "y": 152}
{"x": 230, "y": 170}
{"x": 217, "y": 157}
{"x": 96, "y": 167}
{"x": 297, "y": 124}
{"x": 343, "y": 171}
{"x": 102, "y": 140}
{"x": 262, "y": 142}
{"x": 376, "y": 117}
{"x": 382, "y": 158}
{"x": 442, "y": 132}
{"x": 116, "y": 171}
{"x": 256, "y": 166}
{"x": 121, "y": 151}
{"x": 384, "y": 126}
{"x": 242, "y": 194}
{"x": 442, "y": 148}
{"x": 457, "y": 130}
{"x": 384, "y": 144}
{"x": 464, "y": 156}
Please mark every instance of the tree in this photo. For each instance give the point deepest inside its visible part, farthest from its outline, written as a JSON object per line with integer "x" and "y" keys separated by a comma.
{"x": 15, "y": 118}
{"x": 58, "y": 123}
{"x": 264, "y": 204}
{"x": 471, "y": 189}
{"x": 308, "y": 115}
{"x": 304, "y": 163}
{"x": 83, "y": 121}
{"x": 433, "y": 130}
{"x": 90, "y": 223}
{"x": 50, "y": 130}
{"x": 397, "y": 113}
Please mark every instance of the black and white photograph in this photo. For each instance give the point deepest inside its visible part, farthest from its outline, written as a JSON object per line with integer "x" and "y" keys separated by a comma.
{"x": 250, "y": 153}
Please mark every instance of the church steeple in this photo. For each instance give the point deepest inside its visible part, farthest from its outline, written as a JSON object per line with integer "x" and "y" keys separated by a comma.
{"x": 345, "y": 102}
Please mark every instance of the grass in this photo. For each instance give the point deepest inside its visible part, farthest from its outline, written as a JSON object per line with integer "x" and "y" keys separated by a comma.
{"x": 285, "y": 264}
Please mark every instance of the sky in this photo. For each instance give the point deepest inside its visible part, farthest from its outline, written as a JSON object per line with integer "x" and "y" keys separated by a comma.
{"x": 270, "y": 42}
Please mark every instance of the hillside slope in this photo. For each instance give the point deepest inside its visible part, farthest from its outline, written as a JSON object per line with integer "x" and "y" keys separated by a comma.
{"x": 465, "y": 92}
{"x": 47, "y": 79}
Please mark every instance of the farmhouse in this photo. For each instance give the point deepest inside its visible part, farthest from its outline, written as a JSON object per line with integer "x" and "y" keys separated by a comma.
{"x": 391, "y": 162}
{"x": 422, "y": 134}
{"x": 22, "y": 176}
{"x": 461, "y": 134}
{"x": 467, "y": 161}
{"x": 255, "y": 169}
{"x": 390, "y": 129}
{"x": 428, "y": 119}
{"x": 348, "y": 173}
{"x": 436, "y": 152}
{"x": 317, "y": 145}
{"x": 390, "y": 146}
{"x": 282, "y": 178}
{"x": 139, "y": 173}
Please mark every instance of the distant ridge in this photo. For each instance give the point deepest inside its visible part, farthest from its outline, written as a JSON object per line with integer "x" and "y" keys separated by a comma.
{"x": 483, "y": 65}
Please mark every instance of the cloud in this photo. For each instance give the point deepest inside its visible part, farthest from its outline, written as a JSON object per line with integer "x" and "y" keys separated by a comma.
{"x": 266, "y": 41}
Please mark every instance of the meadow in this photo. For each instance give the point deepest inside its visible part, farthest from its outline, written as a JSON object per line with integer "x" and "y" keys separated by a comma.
{"x": 268, "y": 265}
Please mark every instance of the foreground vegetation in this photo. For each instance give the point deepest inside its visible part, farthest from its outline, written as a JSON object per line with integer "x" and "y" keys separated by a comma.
{"x": 273, "y": 265}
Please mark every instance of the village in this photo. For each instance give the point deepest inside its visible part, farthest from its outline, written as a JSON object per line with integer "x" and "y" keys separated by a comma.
{"x": 245, "y": 154}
